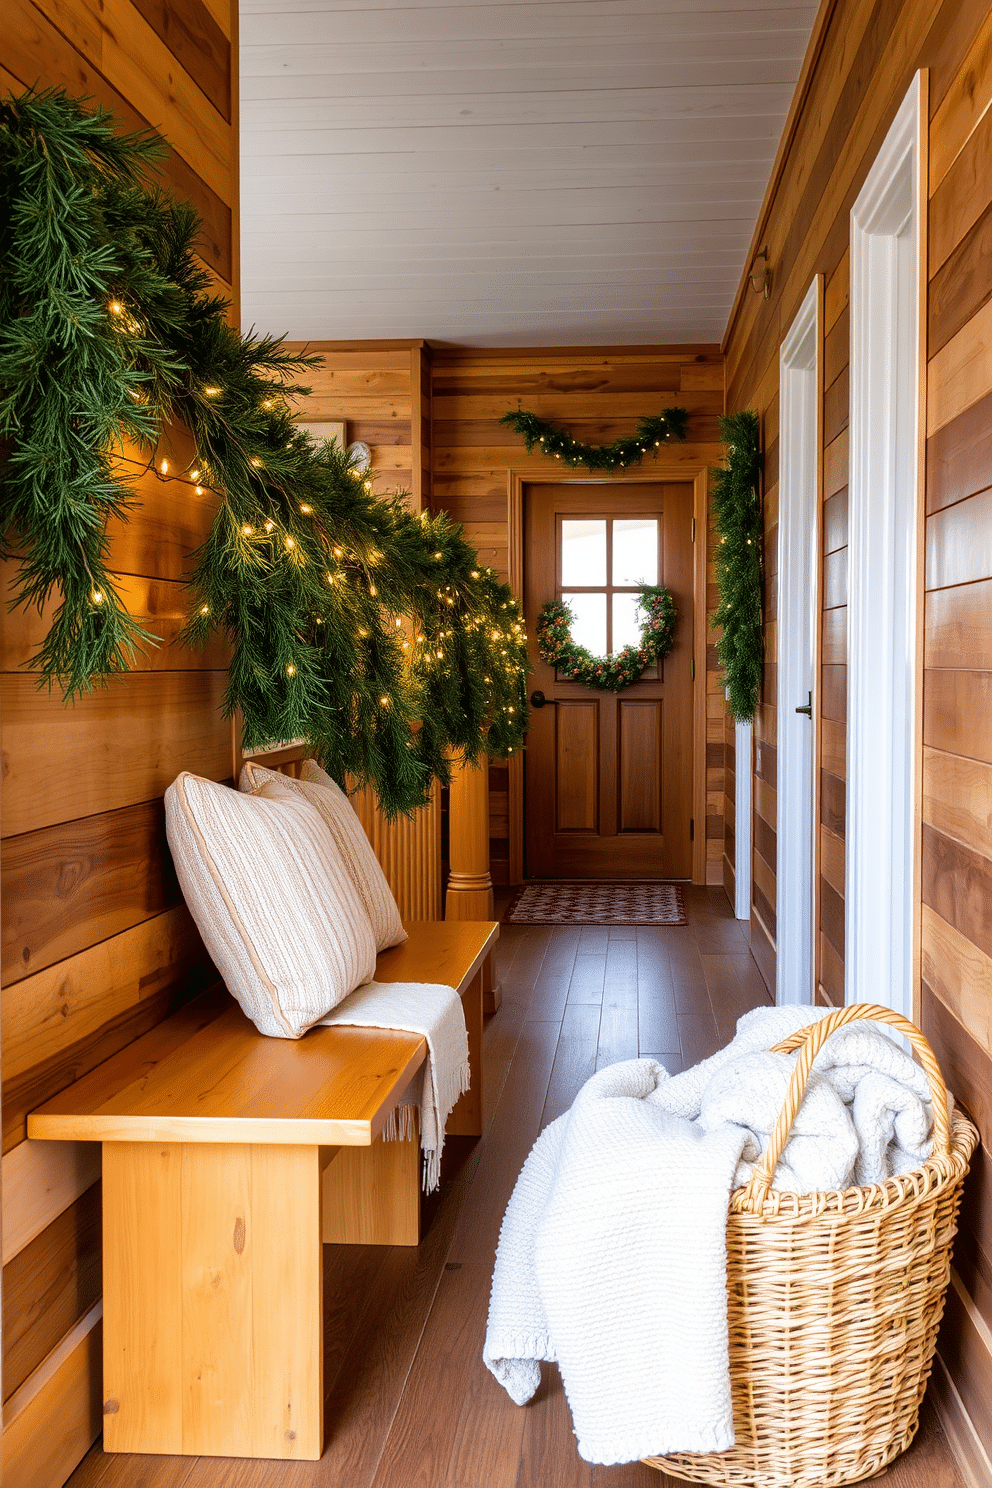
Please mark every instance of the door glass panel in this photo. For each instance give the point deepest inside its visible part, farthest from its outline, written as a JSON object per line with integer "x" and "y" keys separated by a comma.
{"x": 635, "y": 552}
{"x": 589, "y": 625}
{"x": 626, "y": 621}
{"x": 583, "y": 553}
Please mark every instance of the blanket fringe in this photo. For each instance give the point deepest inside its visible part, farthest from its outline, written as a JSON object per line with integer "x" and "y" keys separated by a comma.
{"x": 400, "y": 1125}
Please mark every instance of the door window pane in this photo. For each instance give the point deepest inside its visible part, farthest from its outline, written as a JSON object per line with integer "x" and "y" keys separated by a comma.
{"x": 589, "y": 625}
{"x": 583, "y": 553}
{"x": 635, "y": 552}
{"x": 627, "y": 620}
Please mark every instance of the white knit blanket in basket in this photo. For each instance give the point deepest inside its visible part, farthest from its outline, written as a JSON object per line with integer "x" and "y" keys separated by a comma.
{"x": 436, "y": 1013}
{"x": 612, "y": 1254}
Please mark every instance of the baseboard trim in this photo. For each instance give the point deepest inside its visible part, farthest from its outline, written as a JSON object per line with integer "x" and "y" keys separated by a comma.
{"x": 966, "y": 1445}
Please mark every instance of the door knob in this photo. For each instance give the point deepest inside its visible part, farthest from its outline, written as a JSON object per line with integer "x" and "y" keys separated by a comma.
{"x": 808, "y": 710}
{"x": 538, "y": 700}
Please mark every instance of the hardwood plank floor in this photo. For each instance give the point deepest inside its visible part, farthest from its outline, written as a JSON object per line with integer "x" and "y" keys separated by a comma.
{"x": 410, "y": 1403}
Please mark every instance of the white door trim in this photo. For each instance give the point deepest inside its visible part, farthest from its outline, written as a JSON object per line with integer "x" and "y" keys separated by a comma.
{"x": 883, "y": 568}
{"x": 798, "y": 599}
{"x": 743, "y": 730}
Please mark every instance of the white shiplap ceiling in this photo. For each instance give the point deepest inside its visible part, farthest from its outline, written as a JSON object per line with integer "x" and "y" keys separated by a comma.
{"x": 524, "y": 172}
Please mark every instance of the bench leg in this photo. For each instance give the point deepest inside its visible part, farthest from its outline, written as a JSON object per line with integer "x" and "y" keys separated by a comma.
{"x": 372, "y": 1195}
{"x": 466, "y": 1118}
{"x": 212, "y": 1300}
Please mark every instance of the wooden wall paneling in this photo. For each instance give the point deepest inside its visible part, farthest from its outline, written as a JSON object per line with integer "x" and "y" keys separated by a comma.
{"x": 96, "y": 947}
{"x": 956, "y": 712}
{"x": 46, "y": 1013}
{"x": 49, "y": 1286}
{"x": 957, "y": 798}
{"x": 959, "y": 542}
{"x": 957, "y": 884}
{"x": 957, "y": 630}
{"x": 173, "y": 723}
{"x": 961, "y": 371}
{"x": 867, "y": 56}
{"x": 963, "y": 106}
{"x": 39, "y": 1181}
{"x": 960, "y": 975}
{"x": 65, "y": 1390}
{"x": 71, "y": 884}
{"x": 959, "y": 456}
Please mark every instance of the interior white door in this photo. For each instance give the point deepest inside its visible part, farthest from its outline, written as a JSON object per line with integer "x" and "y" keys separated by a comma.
{"x": 798, "y": 572}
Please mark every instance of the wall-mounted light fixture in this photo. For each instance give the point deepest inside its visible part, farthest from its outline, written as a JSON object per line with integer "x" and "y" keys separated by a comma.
{"x": 760, "y": 275}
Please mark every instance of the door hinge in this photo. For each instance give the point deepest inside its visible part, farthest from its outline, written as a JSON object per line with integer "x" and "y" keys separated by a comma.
{"x": 692, "y": 668}
{"x": 692, "y": 829}
{"x": 694, "y": 529}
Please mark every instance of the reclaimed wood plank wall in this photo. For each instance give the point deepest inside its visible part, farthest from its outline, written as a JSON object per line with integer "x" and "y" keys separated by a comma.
{"x": 381, "y": 390}
{"x": 599, "y": 393}
{"x": 96, "y": 944}
{"x": 864, "y": 58}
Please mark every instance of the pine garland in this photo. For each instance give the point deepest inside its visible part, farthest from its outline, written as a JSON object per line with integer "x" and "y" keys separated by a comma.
{"x": 651, "y": 434}
{"x": 739, "y": 526}
{"x": 371, "y": 633}
{"x": 607, "y": 673}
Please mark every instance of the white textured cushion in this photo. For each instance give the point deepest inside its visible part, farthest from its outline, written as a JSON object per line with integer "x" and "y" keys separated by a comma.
{"x": 273, "y": 900}
{"x": 317, "y": 787}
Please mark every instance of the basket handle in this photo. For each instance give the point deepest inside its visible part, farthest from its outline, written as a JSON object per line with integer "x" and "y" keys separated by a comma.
{"x": 810, "y": 1041}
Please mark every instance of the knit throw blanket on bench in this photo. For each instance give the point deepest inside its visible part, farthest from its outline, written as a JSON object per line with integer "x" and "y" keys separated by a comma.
{"x": 434, "y": 1012}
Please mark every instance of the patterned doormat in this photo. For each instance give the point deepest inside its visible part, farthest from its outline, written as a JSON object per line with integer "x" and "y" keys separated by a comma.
{"x": 597, "y": 904}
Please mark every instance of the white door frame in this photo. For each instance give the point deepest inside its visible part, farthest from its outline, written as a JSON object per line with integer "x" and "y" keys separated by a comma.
{"x": 884, "y": 554}
{"x": 798, "y": 600}
{"x": 743, "y": 733}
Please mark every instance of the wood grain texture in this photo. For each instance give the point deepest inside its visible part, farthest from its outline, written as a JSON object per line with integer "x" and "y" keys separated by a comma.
{"x": 67, "y": 886}
{"x": 959, "y": 456}
{"x": 960, "y": 287}
{"x": 961, "y": 371}
{"x": 956, "y": 710}
{"x": 33, "y": 1453}
{"x": 40, "y": 1181}
{"x": 960, "y": 975}
{"x": 22, "y": 1093}
{"x": 959, "y": 542}
{"x": 216, "y": 1079}
{"x": 48, "y": 1287}
{"x": 173, "y": 723}
{"x": 957, "y": 798}
{"x": 45, "y": 1015}
{"x": 963, "y": 106}
{"x": 957, "y": 630}
{"x": 957, "y": 885}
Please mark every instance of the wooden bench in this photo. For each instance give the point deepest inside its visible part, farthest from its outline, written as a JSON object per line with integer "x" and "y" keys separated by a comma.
{"x": 221, "y": 1149}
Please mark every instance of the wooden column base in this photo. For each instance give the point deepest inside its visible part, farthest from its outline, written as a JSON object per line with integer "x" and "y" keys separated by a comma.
{"x": 213, "y": 1290}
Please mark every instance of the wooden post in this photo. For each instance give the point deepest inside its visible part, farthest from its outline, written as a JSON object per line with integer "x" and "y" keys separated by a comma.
{"x": 470, "y": 888}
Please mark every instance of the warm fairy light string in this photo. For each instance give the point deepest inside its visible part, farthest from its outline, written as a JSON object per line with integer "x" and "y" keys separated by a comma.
{"x": 559, "y": 444}
{"x": 305, "y": 571}
{"x": 739, "y": 526}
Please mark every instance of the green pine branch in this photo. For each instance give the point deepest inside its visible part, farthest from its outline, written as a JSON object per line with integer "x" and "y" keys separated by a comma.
{"x": 739, "y": 526}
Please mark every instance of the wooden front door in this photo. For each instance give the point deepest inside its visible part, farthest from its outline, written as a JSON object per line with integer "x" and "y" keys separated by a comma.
{"x": 609, "y": 775}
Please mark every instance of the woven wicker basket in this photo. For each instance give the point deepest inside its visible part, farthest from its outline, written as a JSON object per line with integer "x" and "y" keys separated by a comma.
{"x": 834, "y": 1301}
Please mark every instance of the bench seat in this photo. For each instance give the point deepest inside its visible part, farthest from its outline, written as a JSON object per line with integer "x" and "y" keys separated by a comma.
{"x": 227, "y": 1159}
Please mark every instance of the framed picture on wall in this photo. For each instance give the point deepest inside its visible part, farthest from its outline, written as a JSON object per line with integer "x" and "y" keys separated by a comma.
{"x": 326, "y": 431}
